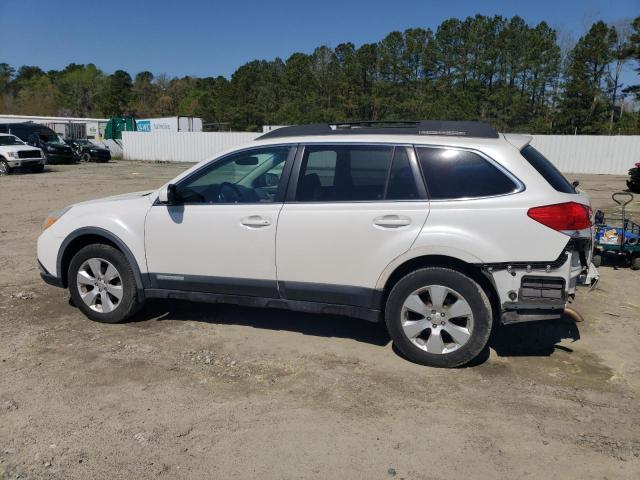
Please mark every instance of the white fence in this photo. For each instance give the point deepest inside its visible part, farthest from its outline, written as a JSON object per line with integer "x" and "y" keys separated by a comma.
{"x": 573, "y": 154}
{"x": 180, "y": 146}
{"x": 590, "y": 153}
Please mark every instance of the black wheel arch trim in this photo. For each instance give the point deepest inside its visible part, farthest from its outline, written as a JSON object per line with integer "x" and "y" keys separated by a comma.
{"x": 141, "y": 280}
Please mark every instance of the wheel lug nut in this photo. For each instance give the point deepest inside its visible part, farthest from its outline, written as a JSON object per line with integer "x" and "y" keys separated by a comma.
{"x": 442, "y": 314}
{"x": 435, "y": 325}
{"x": 441, "y": 323}
{"x": 428, "y": 318}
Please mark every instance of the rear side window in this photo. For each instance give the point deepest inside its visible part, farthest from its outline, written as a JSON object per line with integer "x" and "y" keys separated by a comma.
{"x": 453, "y": 174}
{"x": 343, "y": 173}
{"x": 347, "y": 173}
{"x": 545, "y": 168}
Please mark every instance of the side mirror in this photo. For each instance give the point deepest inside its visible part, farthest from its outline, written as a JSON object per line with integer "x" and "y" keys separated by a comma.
{"x": 267, "y": 180}
{"x": 168, "y": 195}
{"x": 575, "y": 183}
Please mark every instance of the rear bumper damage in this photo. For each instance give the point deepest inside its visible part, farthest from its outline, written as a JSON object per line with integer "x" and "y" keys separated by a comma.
{"x": 540, "y": 291}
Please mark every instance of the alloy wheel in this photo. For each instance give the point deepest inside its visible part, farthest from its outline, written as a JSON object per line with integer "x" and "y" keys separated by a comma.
{"x": 100, "y": 285}
{"x": 437, "y": 319}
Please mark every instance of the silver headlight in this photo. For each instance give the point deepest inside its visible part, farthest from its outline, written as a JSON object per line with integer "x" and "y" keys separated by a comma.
{"x": 12, "y": 154}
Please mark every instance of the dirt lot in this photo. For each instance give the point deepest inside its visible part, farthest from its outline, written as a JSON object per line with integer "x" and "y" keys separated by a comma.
{"x": 195, "y": 391}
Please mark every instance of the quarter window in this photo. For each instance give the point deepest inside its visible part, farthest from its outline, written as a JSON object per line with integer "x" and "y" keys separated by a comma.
{"x": 453, "y": 174}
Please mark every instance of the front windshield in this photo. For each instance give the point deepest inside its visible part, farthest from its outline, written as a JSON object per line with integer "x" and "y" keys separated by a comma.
{"x": 50, "y": 138}
{"x": 10, "y": 140}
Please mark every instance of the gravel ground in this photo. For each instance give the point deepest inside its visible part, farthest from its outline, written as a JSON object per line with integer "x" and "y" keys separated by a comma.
{"x": 201, "y": 391}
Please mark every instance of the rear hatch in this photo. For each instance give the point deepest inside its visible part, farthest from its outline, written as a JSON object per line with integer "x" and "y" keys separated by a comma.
{"x": 573, "y": 217}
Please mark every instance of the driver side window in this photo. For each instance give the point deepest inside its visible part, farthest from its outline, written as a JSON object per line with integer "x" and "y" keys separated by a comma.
{"x": 251, "y": 176}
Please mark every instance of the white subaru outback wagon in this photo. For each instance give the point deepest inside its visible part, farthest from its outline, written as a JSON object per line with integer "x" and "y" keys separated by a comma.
{"x": 436, "y": 228}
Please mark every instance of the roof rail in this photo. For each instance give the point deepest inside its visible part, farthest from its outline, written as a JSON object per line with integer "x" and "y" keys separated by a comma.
{"x": 421, "y": 127}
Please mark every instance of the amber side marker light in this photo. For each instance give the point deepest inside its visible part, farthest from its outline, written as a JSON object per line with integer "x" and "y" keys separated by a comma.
{"x": 53, "y": 217}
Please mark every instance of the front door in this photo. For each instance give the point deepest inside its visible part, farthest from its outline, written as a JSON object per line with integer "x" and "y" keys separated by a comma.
{"x": 350, "y": 211}
{"x": 220, "y": 236}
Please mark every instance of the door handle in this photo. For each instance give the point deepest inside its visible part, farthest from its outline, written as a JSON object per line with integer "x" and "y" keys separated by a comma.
{"x": 392, "y": 221}
{"x": 255, "y": 221}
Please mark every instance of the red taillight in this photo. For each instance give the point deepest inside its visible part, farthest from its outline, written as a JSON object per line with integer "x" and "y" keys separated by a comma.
{"x": 638, "y": 165}
{"x": 562, "y": 216}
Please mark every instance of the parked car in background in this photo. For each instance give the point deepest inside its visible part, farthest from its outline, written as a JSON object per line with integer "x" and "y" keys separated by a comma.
{"x": 55, "y": 150}
{"x": 634, "y": 179}
{"x": 87, "y": 151}
{"x": 436, "y": 228}
{"x": 14, "y": 153}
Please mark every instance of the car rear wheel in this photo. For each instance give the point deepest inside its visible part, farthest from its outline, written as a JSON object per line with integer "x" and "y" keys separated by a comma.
{"x": 85, "y": 157}
{"x": 4, "y": 168}
{"x": 438, "y": 317}
{"x": 102, "y": 284}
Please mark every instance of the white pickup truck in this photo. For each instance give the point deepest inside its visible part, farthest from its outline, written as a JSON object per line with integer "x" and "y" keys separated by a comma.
{"x": 14, "y": 153}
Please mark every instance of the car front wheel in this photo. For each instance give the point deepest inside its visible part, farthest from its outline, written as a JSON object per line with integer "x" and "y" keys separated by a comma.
{"x": 4, "y": 168}
{"x": 438, "y": 317}
{"x": 102, "y": 284}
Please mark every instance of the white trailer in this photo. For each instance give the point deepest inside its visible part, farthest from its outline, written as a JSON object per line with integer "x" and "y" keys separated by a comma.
{"x": 169, "y": 124}
{"x": 67, "y": 127}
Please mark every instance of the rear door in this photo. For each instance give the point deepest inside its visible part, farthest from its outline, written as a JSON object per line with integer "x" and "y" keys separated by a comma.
{"x": 350, "y": 210}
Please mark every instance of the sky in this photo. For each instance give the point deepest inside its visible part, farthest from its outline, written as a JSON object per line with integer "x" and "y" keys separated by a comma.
{"x": 210, "y": 38}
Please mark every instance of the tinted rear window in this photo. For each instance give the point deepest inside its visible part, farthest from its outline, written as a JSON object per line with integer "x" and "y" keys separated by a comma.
{"x": 343, "y": 173}
{"x": 545, "y": 168}
{"x": 452, "y": 174}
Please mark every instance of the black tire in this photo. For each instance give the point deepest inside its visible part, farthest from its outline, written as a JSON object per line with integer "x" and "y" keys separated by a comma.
{"x": 597, "y": 260}
{"x": 85, "y": 157}
{"x": 129, "y": 303}
{"x": 37, "y": 169}
{"x": 633, "y": 186}
{"x": 635, "y": 263}
{"x": 452, "y": 279}
{"x": 4, "y": 168}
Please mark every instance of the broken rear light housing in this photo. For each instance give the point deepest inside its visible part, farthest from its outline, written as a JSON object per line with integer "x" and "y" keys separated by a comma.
{"x": 562, "y": 216}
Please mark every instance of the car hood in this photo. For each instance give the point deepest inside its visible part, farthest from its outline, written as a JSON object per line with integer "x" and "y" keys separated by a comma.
{"x": 116, "y": 198}
{"x": 16, "y": 148}
{"x": 58, "y": 146}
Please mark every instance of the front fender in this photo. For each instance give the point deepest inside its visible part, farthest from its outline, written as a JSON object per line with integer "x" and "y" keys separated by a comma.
{"x": 107, "y": 235}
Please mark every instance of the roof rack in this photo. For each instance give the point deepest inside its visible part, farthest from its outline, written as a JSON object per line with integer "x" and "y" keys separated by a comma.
{"x": 420, "y": 127}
